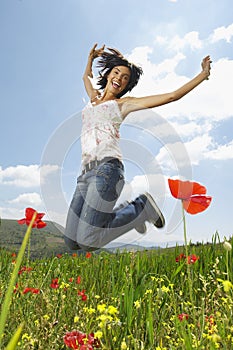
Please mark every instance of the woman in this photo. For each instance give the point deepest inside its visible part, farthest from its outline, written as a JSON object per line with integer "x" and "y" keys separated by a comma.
{"x": 92, "y": 220}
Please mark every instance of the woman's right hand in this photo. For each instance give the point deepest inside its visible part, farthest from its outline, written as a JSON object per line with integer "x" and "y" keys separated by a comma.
{"x": 94, "y": 53}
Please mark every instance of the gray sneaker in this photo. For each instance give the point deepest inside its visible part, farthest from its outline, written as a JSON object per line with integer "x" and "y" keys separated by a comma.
{"x": 153, "y": 213}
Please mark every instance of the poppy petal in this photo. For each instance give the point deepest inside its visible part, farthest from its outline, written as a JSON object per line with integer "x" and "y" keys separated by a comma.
{"x": 185, "y": 189}
{"x": 40, "y": 224}
{"x": 196, "y": 204}
{"x": 21, "y": 221}
{"x": 40, "y": 216}
{"x": 29, "y": 213}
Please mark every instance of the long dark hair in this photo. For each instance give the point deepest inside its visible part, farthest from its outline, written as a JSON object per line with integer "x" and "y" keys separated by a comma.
{"x": 110, "y": 60}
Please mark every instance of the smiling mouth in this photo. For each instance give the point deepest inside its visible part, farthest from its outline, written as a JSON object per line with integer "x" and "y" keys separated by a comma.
{"x": 116, "y": 85}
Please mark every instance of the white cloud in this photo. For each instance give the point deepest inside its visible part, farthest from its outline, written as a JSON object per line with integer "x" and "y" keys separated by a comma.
{"x": 190, "y": 39}
{"x": 191, "y": 128}
{"x": 25, "y": 175}
{"x": 27, "y": 199}
{"x": 222, "y": 33}
{"x": 198, "y": 148}
{"x": 173, "y": 157}
{"x": 11, "y": 213}
{"x": 223, "y": 152}
{"x": 140, "y": 54}
{"x": 177, "y": 43}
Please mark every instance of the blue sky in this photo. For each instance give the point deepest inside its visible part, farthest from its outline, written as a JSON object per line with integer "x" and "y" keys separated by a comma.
{"x": 44, "y": 47}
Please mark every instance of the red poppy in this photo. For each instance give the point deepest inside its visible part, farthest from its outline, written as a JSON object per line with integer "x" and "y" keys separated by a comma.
{"x": 82, "y": 294}
{"x": 180, "y": 257}
{"x": 54, "y": 283}
{"x": 192, "y": 259}
{"x": 31, "y": 290}
{"x": 24, "y": 269}
{"x": 192, "y": 195}
{"x": 81, "y": 341}
{"x": 183, "y": 316}
{"x": 35, "y": 290}
{"x": 26, "y": 290}
{"x": 88, "y": 255}
{"x": 78, "y": 281}
{"x": 29, "y": 212}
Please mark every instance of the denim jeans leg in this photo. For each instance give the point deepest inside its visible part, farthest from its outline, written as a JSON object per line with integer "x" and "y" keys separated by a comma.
{"x": 92, "y": 221}
{"x": 104, "y": 188}
{"x": 74, "y": 213}
{"x": 123, "y": 220}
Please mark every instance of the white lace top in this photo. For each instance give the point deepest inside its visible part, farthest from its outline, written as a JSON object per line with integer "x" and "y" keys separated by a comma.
{"x": 100, "y": 131}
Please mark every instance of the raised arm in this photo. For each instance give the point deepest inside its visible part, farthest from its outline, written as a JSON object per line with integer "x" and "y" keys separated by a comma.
{"x": 133, "y": 103}
{"x": 91, "y": 91}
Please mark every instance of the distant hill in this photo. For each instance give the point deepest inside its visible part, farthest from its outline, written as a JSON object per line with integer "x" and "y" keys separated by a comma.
{"x": 48, "y": 241}
{"x": 113, "y": 247}
{"x": 45, "y": 242}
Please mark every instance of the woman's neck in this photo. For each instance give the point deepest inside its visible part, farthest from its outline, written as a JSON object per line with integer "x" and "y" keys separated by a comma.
{"x": 107, "y": 97}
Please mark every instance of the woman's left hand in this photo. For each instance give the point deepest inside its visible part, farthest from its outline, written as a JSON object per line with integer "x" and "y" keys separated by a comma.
{"x": 206, "y": 66}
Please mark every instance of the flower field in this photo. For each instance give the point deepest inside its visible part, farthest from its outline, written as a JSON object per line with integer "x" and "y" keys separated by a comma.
{"x": 161, "y": 299}
{"x": 138, "y": 300}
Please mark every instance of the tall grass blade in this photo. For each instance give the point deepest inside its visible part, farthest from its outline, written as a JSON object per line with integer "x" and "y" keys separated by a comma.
{"x": 7, "y": 300}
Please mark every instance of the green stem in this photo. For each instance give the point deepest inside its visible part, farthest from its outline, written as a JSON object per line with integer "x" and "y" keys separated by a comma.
{"x": 29, "y": 245}
{"x": 227, "y": 265}
{"x": 190, "y": 283}
{"x": 8, "y": 297}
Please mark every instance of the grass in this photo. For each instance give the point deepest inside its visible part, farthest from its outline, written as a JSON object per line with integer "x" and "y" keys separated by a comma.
{"x": 138, "y": 300}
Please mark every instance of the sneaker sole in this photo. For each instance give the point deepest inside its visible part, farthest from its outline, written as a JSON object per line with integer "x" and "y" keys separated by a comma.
{"x": 160, "y": 221}
{"x": 141, "y": 229}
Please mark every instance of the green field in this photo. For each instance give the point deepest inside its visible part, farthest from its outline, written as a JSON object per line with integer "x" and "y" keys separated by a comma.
{"x": 130, "y": 300}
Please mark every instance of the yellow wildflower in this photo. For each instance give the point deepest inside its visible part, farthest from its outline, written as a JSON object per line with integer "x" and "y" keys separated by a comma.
{"x": 103, "y": 318}
{"x": 215, "y": 338}
{"x": 76, "y": 319}
{"x": 98, "y": 334}
{"x": 148, "y": 291}
{"x": 124, "y": 345}
{"x": 26, "y": 336}
{"x": 64, "y": 285}
{"x": 137, "y": 304}
{"x": 112, "y": 310}
{"x": 165, "y": 289}
{"x": 101, "y": 307}
{"x": 227, "y": 285}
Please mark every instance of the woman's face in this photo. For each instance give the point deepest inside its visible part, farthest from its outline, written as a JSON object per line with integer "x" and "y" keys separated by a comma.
{"x": 118, "y": 79}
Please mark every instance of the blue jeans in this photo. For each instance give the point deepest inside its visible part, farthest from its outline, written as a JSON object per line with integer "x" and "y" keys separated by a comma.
{"x": 92, "y": 221}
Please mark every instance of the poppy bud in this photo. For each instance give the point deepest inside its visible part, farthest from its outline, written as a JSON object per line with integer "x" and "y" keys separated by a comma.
{"x": 227, "y": 246}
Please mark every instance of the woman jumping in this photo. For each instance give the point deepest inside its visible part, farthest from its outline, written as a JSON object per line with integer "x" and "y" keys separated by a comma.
{"x": 93, "y": 220}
